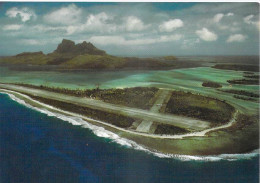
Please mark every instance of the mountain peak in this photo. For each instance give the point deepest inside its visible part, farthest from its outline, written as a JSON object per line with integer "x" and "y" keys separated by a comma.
{"x": 68, "y": 46}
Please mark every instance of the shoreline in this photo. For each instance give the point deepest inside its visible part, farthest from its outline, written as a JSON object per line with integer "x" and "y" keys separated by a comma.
{"x": 131, "y": 144}
{"x": 154, "y": 144}
{"x": 192, "y": 134}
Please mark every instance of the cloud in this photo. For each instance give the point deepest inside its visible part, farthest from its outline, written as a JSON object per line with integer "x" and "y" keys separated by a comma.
{"x": 236, "y": 38}
{"x": 99, "y": 22}
{"x": 46, "y": 28}
{"x": 24, "y": 13}
{"x": 10, "y": 27}
{"x": 226, "y": 24}
{"x": 171, "y": 25}
{"x": 229, "y": 14}
{"x": 104, "y": 23}
{"x": 39, "y": 42}
{"x": 206, "y": 35}
{"x": 134, "y": 24}
{"x": 128, "y": 25}
{"x": 218, "y": 17}
{"x": 232, "y": 28}
{"x": 119, "y": 40}
{"x": 188, "y": 43}
{"x": 248, "y": 19}
{"x": 65, "y": 15}
{"x": 31, "y": 42}
{"x": 95, "y": 23}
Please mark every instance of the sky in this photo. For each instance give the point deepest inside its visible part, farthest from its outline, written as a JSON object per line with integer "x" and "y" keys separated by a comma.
{"x": 132, "y": 29}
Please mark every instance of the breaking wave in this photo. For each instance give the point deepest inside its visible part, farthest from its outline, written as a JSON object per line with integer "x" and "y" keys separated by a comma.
{"x": 102, "y": 132}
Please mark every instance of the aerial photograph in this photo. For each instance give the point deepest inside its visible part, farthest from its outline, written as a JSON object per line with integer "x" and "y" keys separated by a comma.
{"x": 135, "y": 92}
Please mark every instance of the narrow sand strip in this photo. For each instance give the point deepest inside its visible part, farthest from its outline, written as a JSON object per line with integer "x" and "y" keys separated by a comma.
{"x": 179, "y": 121}
{"x": 195, "y": 134}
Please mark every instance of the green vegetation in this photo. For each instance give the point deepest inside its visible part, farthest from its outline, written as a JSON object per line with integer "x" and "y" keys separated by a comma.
{"x": 139, "y": 97}
{"x": 248, "y": 72}
{"x": 245, "y": 98}
{"x": 252, "y": 76}
{"x": 82, "y": 56}
{"x": 69, "y": 55}
{"x": 180, "y": 103}
{"x": 33, "y": 58}
{"x": 95, "y": 62}
{"x": 112, "y": 118}
{"x": 242, "y": 92}
{"x": 200, "y": 107}
{"x": 244, "y": 81}
{"x": 211, "y": 84}
{"x": 237, "y": 67}
{"x": 249, "y": 79}
{"x": 169, "y": 130}
{"x": 58, "y": 58}
{"x": 153, "y": 63}
{"x": 29, "y": 54}
{"x": 242, "y": 121}
{"x": 69, "y": 47}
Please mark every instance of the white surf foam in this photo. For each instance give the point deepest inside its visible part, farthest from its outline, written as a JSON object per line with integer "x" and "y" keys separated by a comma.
{"x": 102, "y": 132}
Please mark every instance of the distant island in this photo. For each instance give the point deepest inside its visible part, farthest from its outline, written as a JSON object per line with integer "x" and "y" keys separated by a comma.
{"x": 237, "y": 67}
{"x": 71, "y": 56}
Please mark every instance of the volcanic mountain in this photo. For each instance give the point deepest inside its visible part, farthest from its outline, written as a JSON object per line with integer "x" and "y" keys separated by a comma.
{"x": 85, "y": 55}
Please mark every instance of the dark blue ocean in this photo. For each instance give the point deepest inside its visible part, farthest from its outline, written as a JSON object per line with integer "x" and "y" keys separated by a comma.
{"x": 38, "y": 148}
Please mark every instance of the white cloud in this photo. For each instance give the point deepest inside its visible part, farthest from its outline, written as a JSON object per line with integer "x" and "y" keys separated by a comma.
{"x": 169, "y": 38}
{"x": 188, "y": 43}
{"x": 45, "y": 28}
{"x": 103, "y": 23}
{"x": 119, "y": 40}
{"x": 73, "y": 29}
{"x": 248, "y": 19}
{"x": 232, "y": 28}
{"x": 127, "y": 25}
{"x": 31, "y": 42}
{"x": 65, "y": 15}
{"x": 98, "y": 22}
{"x": 40, "y": 42}
{"x": 206, "y": 35}
{"x": 171, "y": 25}
{"x": 10, "y": 27}
{"x": 225, "y": 26}
{"x": 229, "y": 14}
{"x": 24, "y": 13}
{"x": 236, "y": 38}
{"x": 95, "y": 23}
{"x": 134, "y": 24}
{"x": 218, "y": 17}
{"x": 107, "y": 40}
